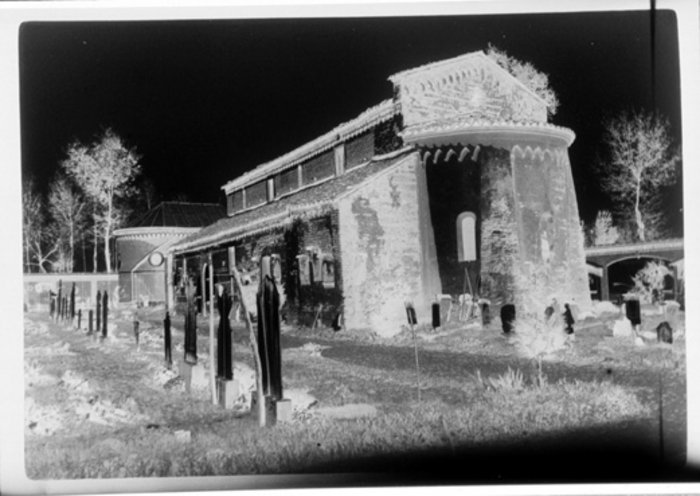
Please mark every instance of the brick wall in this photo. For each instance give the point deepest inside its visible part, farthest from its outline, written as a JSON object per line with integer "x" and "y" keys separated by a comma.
{"x": 386, "y": 249}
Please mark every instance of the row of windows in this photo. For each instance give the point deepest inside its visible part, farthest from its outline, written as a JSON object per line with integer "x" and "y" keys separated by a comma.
{"x": 331, "y": 163}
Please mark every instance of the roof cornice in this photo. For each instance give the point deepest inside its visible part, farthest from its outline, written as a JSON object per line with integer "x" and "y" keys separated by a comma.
{"x": 368, "y": 119}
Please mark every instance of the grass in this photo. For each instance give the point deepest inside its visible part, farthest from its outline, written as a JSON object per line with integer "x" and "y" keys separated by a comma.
{"x": 506, "y": 409}
{"x": 456, "y": 412}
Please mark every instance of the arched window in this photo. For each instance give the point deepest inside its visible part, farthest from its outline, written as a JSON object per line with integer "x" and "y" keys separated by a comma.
{"x": 466, "y": 237}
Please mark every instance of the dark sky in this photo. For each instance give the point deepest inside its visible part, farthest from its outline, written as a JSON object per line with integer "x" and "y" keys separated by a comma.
{"x": 203, "y": 102}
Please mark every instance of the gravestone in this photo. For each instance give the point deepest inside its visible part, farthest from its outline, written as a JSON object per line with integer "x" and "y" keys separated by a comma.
{"x": 98, "y": 313}
{"x": 508, "y": 318}
{"x": 664, "y": 333}
{"x": 268, "y": 303}
{"x": 191, "y": 323}
{"x": 105, "y": 311}
{"x": 633, "y": 311}
{"x": 168, "y": 341}
{"x": 568, "y": 319}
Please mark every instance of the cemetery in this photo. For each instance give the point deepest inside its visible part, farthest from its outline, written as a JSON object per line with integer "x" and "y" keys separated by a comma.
{"x": 134, "y": 391}
{"x": 406, "y": 295}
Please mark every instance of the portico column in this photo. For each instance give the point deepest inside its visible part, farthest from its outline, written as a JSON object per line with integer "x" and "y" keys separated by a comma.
{"x": 605, "y": 285}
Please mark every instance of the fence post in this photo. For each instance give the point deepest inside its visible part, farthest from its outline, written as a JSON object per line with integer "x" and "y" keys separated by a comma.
{"x": 80, "y": 315}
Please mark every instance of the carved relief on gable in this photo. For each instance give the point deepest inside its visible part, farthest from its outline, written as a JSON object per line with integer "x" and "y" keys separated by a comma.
{"x": 475, "y": 91}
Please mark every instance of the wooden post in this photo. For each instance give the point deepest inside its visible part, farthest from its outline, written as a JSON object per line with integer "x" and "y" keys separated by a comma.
{"x": 254, "y": 348}
{"x": 212, "y": 357}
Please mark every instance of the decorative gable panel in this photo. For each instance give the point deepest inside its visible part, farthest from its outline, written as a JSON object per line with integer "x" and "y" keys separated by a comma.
{"x": 470, "y": 86}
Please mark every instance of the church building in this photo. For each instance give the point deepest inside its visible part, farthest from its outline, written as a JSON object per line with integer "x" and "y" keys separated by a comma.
{"x": 457, "y": 184}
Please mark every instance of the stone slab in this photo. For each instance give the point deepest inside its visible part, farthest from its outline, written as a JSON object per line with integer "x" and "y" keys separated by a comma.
{"x": 228, "y": 392}
{"x": 283, "y": 411}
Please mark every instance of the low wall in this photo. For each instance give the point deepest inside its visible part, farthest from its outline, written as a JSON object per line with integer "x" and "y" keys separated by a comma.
{"x": 37, "y": 287}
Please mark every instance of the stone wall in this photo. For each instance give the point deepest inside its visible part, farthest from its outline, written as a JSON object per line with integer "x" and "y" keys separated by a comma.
{"x": 387, "y": 249}
{"x": 552, "y": 261}
{"x": 499, "y": 234}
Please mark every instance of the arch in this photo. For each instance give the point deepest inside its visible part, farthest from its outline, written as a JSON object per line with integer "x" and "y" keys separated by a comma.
{"x": 463, "y": 154}
{"x": 437, "y": 156}
{"x": 450, "y": 153}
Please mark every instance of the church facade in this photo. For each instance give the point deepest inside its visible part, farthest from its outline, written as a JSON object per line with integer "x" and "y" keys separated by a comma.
{"x": 458, "y": 184}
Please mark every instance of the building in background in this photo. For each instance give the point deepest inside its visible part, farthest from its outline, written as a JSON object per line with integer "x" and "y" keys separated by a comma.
{"x": 458, "y": 184}
{"x": 142, "y": 246}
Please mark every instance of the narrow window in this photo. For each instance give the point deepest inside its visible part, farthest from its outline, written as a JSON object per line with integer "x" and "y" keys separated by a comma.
{"x": 304, "y": 276}
{"x": 466, "y": 237}
{"x": 328, "y": 272}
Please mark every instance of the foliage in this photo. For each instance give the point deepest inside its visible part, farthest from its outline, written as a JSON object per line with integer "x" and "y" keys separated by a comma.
{"x": 38, "y": 239}
{"x": 510, "y": 381}
{"x": 640, "y": 161}
{"x": 649, "y": 281}
{"x": 105, "y": 170}
{"x": 604, "y": 231}
{"x": 68, "y": 209}
{"x": 526, "y": 73}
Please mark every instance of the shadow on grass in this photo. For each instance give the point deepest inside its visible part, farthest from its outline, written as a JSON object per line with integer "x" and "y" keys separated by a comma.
{"x": 623, "y": 452}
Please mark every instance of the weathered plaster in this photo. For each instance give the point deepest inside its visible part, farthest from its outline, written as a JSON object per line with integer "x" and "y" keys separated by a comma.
{"x": 383, "y": 242}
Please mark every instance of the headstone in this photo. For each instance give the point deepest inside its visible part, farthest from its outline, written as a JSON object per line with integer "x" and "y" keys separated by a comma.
{"x": 80, "y": 317}
{"x": 224, "y": 363}
{"x": 191, "y": 323}
{"x": 105, "y": 310}
{"x": 90, "y": 321}
{"x": 52, "y": 303}
{"x": 436, "y": 314}
{"x": 168, "y": 341}
{"x": 568, "y": 319}
{"x": 508, "y": 318}
{"x": 485, "y": 314}
{"x": 137, "y": 325}
{"x": 72, "y": 303}
{"x": 633, "y": 311}
{"x": 411, "y": 314}
{"x": 268, "y": 303}
{"x": 664, "y": 333}
{"x": 98, "y": 313}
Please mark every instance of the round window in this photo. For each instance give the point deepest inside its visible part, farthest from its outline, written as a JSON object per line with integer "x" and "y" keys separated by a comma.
{"x": 156, "y": 258}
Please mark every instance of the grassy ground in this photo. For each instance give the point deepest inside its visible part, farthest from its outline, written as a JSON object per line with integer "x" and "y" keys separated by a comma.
{"x": 108, "y": 410}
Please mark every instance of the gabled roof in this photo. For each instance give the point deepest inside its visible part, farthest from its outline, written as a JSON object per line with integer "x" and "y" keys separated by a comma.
{"x": 280, "y": 212}
{"x": 399, "y": 77}
{"x": 180, "y": 214}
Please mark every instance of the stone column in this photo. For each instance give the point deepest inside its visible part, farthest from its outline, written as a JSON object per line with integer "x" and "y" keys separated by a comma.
{"x": 551, "y": 257}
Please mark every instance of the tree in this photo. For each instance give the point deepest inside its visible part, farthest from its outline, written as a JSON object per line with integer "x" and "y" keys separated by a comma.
{"x": 526, "y": 73}
{"x": 39, "y": 248}
{"x": 69, "y": 210}
{"x": 105, "y": 171}
{"x": 640, "y": 160}
{"x": 604, "y": 231}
